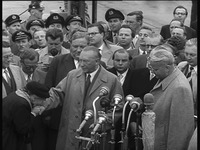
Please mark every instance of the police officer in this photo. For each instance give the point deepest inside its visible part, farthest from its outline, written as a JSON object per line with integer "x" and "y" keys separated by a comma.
{"x": 115, "y": 19}
{"x": 21, "y": 39}
{"x": 72, "y": 22}
{"x": 12, "y": 23}
{"x": 36, "y": 11}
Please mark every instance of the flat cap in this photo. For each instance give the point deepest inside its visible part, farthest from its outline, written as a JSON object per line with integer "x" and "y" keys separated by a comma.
{"x": 54, "y": 18}
{"x": 41, "y": 90}
{"x": 35, "y": 5}
{"x": 21, "y": 34}
{"x": 12, "y": 19}
{"x": 37, "y": 22}
{"x": 113, "y": 13}
{"x": 71, "y": 18}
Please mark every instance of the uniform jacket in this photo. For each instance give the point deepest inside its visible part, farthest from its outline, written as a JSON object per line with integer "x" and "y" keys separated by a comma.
{"x": 165, "y": 32}
{"x": 18, "y": 77}
{"x": 73, "y": 87}
{"x": 17, "y": 120}
{"x": 107, "y": 53}
{"x": 173, "y": 106}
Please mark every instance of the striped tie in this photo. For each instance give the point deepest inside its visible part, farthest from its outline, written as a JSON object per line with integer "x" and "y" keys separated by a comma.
{"x": 7, "y": 77}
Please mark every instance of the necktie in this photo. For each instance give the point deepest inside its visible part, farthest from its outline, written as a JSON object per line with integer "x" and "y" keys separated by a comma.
{"x": 29, "y": 79}
{"x": 87, "y": 83}
{"x": 120, "y": 76}
{"x": 144, "y": 52}
{"x": 8, "y": 78}
{"x": 115, "y": 40}
{"x": 189, "y": 73}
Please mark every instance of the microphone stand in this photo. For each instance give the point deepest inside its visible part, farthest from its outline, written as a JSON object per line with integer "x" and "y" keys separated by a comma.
{"x": 137, "y": 131}
{"x": 123, "y": 132}
{"x": 112, "y": 132}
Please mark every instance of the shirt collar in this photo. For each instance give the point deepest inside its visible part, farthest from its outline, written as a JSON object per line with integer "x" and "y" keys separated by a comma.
{"x": 123, "y": 74}
{"x": 93, "y": 73}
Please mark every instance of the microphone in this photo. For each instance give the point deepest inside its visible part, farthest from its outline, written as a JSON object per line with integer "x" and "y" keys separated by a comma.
{"x": 117, "y": 98}
{"x": 148, "y": 99}
{"x": 128, "y": 99}
{"x": 135, "y": 104}
{"x": 88, "y": 115}
{"x": 102, "y": 118}
{"x": 104, "y": 91}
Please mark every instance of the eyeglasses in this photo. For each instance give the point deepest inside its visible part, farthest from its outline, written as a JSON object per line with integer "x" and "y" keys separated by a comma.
{"x": 179, "y": 13}
{"x": 152, "y": 46}
{"x": 92, "y": 33}
{"x": 8, "y": 56}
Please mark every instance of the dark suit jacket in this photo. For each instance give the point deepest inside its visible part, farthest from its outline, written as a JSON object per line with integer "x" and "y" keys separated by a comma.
{"x": 165, "y": 32}
{"x": 136, "y": 83}
{"x": 139, "y": 61}
{"x": 109, "y": 37}
{"x": 134, "y": 52}
{"x": 17, "y": 121}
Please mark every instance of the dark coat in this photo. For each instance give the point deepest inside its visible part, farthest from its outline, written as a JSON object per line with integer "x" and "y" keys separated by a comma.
{"x": 139, "y": 61}
{"x": 136, "y": 83}
{"x": 165, "y": 32}
{"x": 17, "y": 120}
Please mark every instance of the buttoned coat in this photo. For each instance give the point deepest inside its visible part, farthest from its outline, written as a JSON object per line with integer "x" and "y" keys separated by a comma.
{"x": 19, "y": 79}
{"x": 173, "y": 106}
{"x": 72, "y": 86}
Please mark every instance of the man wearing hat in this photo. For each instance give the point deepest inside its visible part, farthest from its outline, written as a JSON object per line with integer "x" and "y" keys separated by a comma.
{"x": 36, "y": 11}
{"x": 55, "y": 21}
{"x": 115, "y": 19}
{"x": 34, "y": 25}
{"x": 12, "y": 75}
{"x": 21, "y": 39}
{"x": 20, "y": 109}
{"x": 72, "y": 22}
{"x": 12, "y": 23}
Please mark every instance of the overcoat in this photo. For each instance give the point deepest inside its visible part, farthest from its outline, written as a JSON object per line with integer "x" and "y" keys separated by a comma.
{"x": 72, "y": 88}
{"x": 173, "y": 106}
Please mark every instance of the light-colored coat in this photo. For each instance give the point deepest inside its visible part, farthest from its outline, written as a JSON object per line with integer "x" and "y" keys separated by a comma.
{"x": 18, "y": 77}
{"x": 173, "y": 106}
{"x": 107, "y": 53}
{"x": 73, "y": 87}
{"x": 44, "y": 54}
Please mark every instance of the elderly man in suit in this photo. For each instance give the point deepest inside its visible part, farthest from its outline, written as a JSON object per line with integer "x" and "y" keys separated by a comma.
{"x": 76, "y": 98}
{"x": 96, "y": 35}
{"x": 58, "y": 70}
{"x": 173, "y": 103}
{"x": 12, "y": 75}
{"x": 140, "y": 61}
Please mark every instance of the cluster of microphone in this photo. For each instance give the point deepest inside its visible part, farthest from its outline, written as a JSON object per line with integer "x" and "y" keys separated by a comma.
{"x": 134, "y": 102}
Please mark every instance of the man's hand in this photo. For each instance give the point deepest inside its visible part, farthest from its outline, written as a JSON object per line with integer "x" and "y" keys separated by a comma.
{"x": 38, "y": 110}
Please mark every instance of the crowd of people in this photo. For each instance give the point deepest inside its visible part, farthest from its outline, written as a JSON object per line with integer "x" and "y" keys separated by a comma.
{"x": 54, "y": 71}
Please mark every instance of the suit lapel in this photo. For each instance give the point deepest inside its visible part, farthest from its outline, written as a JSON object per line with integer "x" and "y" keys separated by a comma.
{"x": 99, "y": 79}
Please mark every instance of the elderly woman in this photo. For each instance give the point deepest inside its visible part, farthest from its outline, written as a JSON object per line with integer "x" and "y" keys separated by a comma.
{"x": 19, "y": 111}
